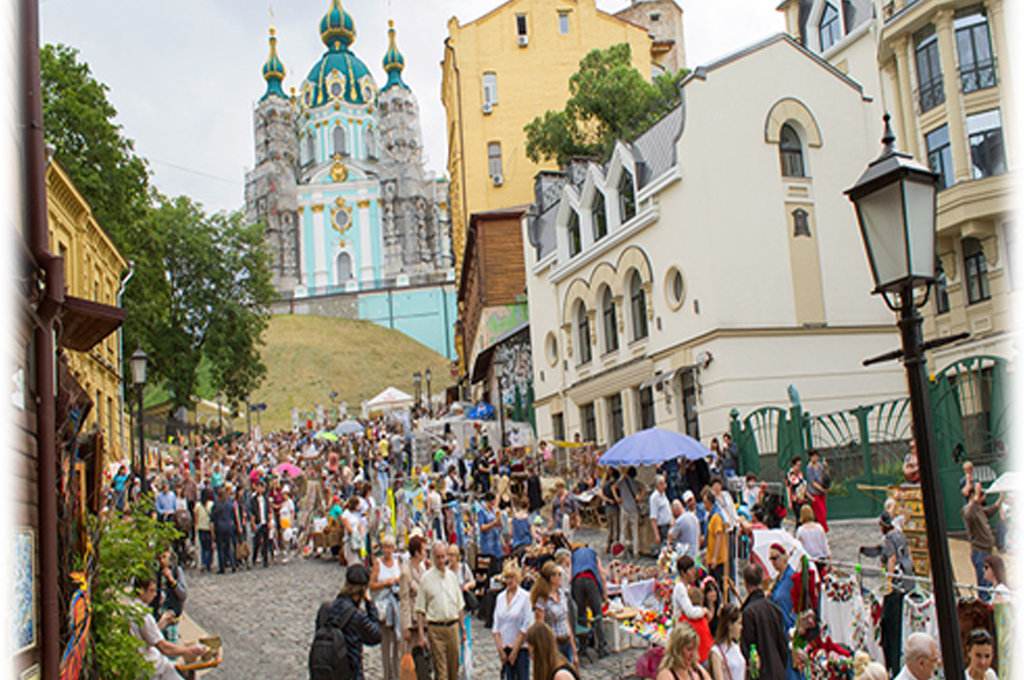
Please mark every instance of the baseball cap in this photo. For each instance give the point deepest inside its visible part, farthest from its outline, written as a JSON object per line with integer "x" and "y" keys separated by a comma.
{"x": 687, "y": 495}
{"x": 885, "y": 520}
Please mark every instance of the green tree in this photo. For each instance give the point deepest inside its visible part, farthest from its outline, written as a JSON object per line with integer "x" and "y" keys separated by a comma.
{"x": 79, "y": 123}
{"x": 609, "y": 100}
{"x": 203, "y": 289}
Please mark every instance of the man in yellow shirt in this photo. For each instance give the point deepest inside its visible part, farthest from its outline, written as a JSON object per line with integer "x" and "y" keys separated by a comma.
{"x": 439, "y": 609}
{"x": 717, "y": 539}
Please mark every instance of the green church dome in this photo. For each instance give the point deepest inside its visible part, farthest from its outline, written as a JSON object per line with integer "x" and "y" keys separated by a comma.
{"x": 339, "y": 75}
{"x": 394, "y": 62}
{"x": 273, "y": 70}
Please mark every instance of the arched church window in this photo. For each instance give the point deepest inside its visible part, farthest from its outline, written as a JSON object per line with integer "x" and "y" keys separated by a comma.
{"x": 791, "y": 152}
{"x": 344, "y": 267}
{"x": 371, "y": 143}
{"x": 340, "y": 140}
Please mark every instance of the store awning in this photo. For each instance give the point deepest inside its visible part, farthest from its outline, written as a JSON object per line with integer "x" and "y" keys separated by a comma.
{"x": 85, "y": 323}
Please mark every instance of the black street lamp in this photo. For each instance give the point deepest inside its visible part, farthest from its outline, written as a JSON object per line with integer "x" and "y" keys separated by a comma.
{"x": 220, "y": 414}
{"x": 895, "y": 201}
{"x": 416, "y": 379}
{"x": 430, "y": 406}
{"x": 139, "y": 360}
{"x": 499, "y": 370}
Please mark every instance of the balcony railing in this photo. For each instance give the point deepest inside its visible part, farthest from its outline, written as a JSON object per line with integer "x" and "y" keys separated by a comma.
{"x": 930, "y": 94}
{"x": 980, "y": 76}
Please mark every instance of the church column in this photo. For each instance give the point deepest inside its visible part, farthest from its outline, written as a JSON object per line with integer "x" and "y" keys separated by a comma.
{"x": 319, "y": 248}
{"x": 365, "y": 244}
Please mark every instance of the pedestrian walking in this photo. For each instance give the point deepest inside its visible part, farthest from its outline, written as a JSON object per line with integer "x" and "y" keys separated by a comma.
{"x": 439, "y": 607}
{"x": 727, "y": 662}
{"x": 260, "y": 515}
{"x": 204, "y": 528}
{"x": 763, "y": 633}
{"x": 384, "y": 588}
{"x": 976, "y": 517}
{"x": 629, "y": 493}
{"x": 409, "y": 588}
{"x": 551, "y": 607}
{"x": 224, "y": 529}
{"x": 549, "y": 663}
{"x": 513, "y": 616}
{"x": 717, "y": 539}
{"x": 361, "y": 625}
{"x": 660, "y": 513}
{"x": 611, "y": 507}
{"x": 817, "y": 487}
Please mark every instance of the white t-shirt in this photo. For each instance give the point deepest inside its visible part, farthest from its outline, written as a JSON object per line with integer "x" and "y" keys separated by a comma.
{"x": 681, "y": 603}
{"x": 150, "y": 634}
{"x": 661, "y": 511}
{"x": 288, "y": 511}
{"x": 813, "y": 538}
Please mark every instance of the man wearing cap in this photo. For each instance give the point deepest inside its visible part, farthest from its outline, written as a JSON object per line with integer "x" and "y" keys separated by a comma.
{"x": 439, "y": 609}
{"x": 363, "y": 626}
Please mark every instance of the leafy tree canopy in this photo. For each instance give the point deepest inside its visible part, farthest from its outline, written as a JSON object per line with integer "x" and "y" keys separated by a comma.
{"x": 89, "y": 145}
{"x": 609, "y": 100}
{"x": 202, "y": 284}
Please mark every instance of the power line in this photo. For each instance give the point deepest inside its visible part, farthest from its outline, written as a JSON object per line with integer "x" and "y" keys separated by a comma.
{"x": 194, "y": 172}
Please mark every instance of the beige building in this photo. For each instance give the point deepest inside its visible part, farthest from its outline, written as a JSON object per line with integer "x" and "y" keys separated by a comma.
{"x": 663, "y": 19}
{"x": 713, "y": 262}
{"x": 500, "y": 72}
{"x": 93, "y": 267}
{"x": 942, "y": 71}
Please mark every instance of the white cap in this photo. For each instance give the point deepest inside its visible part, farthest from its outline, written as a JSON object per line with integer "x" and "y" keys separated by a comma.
{"x": 687, "y": 495}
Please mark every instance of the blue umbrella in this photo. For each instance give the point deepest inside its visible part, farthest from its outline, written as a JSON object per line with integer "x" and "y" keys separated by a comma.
{"x": 482, "y": 411}
{"x": 654, "y": 446}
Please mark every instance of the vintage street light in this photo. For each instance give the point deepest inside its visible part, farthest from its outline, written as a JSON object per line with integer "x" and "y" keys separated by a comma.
{"x": 139, "y": 360}
{"x": 430, "y": 406}
{"x": 220, "y": 414}
{"x": 895, "y": 202}
{"x": 416, "y": 380}
{"x": 499, "y": 370}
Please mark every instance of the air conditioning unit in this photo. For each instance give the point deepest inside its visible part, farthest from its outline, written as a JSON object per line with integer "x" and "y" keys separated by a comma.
{"x": 497, "y": 180}
{"x": 488, "y": 108}
{"x": 524, "y": 40}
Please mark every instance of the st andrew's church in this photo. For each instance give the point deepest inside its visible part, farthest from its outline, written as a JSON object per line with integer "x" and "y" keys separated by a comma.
{"x": 355, "y": 226}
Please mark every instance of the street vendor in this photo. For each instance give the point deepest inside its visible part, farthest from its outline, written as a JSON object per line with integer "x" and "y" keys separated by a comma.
{"x": 590, "y": 592}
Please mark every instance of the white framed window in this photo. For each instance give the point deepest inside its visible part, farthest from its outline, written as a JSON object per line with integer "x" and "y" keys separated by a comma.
{"x": 522, "y": 29}
{"x": 494, "y": 159}
{"x": 491, "y": 88}
{"x": 563, "y": 23}
{"x": 985, "y": 135}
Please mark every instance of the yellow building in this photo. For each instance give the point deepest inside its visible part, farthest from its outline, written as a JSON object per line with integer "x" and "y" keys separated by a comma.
{"x": 499, "y": 73}
{"x": 943, "y": 71}
{"x": 92, "y": 275}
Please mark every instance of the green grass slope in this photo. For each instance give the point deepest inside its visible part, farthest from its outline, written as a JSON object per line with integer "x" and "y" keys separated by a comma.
{"x": 309, "y": 357}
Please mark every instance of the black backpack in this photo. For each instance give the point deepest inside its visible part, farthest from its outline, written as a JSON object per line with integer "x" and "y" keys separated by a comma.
{"x": 328, "y": 657}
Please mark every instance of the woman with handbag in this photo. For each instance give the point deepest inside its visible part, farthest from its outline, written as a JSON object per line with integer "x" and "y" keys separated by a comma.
{"x": 384, "y": 579}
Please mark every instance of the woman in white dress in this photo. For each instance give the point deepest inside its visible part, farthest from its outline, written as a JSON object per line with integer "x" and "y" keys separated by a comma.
{"x": 384, "y": 580}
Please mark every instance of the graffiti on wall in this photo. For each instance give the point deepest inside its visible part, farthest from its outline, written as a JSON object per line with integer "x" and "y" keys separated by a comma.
{"x": 497, "y": 321}
{"x": 518, "y": 373}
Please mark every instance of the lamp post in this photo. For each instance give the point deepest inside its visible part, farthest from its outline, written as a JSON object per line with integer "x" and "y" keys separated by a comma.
{"x": 220, "y": 414}
{"x": 895, "y": 202}
{"x": 139, "y": 360}
{"x": 430, "y": 406}
{"x": 416, "y": 380}
{"x": 499, "y": 370}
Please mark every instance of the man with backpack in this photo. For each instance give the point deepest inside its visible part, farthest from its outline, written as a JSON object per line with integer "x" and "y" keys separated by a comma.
{"x": 342, "y": 628}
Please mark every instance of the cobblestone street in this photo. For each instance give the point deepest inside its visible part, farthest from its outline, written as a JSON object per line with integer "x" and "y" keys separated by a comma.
{"x": 265, "y": 616}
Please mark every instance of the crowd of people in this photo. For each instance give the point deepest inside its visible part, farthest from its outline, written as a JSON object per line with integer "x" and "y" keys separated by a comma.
{"x": 408, "y": 534}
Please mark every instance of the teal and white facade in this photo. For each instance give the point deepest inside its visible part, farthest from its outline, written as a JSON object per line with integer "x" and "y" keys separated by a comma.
{"x": 355, "y": 226}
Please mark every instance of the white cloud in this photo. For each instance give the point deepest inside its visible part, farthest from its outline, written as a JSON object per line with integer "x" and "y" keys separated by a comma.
{"x": 185, "y": 75}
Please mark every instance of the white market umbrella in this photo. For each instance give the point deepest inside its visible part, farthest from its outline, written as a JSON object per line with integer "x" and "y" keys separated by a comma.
{"x": 763, "y": 539}
{"x": 1006, "y": 482}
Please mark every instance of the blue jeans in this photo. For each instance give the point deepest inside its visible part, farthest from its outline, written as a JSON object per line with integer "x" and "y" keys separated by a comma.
{"x": 520, "y": 670}
{"x": 206, "y": 549}
{"x": 566, "y": 650}
{"x": 978, "y": 560}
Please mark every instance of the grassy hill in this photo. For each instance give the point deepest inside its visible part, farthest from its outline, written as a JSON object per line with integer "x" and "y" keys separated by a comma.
{"x": 309, "y": 357}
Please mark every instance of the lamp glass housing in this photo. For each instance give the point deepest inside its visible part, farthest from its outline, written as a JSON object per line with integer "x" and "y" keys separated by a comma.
{"x": 897, "y": 223}
{"x": 499, "y": 369}
{"x": 139, "y": 360}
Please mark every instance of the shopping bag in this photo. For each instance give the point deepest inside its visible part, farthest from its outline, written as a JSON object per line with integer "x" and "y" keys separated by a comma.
{"x": 407, "y": 668}
{"x": 421, "y": 657}
{"x": 467, "y": 654}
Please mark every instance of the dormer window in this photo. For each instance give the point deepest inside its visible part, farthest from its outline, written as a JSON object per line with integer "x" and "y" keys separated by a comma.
{"x": 600, "y": 216}
{"x": 627, "y": 197}
{"x": 830, "y": 30}
{"x": 573, "y": 229}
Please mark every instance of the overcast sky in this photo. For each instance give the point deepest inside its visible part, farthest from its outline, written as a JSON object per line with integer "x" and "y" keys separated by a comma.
{"x": 185, "y": 75}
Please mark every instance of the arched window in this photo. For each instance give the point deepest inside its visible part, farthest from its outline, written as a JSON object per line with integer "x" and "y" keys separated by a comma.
{"x": 611, "y": 324}
{"x": 791, "y": 153}
{"x": 638, "y": 306}
{"x": 308, "y": 149}
{"x": 583, "y": 335}
{"x": 830, "y": 31}
{"x": 575, "y": 242}
{"x": 344, "y": 267}
{"x": 340, "y": 140}
{"x": 627, "y": 197}
{"x": 600, "y": 216}
{"x": 371, "y": 143}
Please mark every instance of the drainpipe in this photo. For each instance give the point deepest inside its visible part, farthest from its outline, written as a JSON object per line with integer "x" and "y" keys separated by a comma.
{"x": 51, "y": 301}
{"x": 120, "y": 348}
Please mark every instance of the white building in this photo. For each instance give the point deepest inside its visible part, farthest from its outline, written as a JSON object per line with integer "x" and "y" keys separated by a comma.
{"x": 713, "y": 262}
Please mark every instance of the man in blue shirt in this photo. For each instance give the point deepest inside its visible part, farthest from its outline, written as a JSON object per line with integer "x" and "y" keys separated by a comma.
{"x": 166, "y": 503}
{"x": 120, "y": 480}
{"x": 490, "y": 531}
{"x": 588, "y": 592}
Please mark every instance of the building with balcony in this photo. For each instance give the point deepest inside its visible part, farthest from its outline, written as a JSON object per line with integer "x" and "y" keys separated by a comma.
{"x": 942, "y": 69}
{"x": 707, "y": 266}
